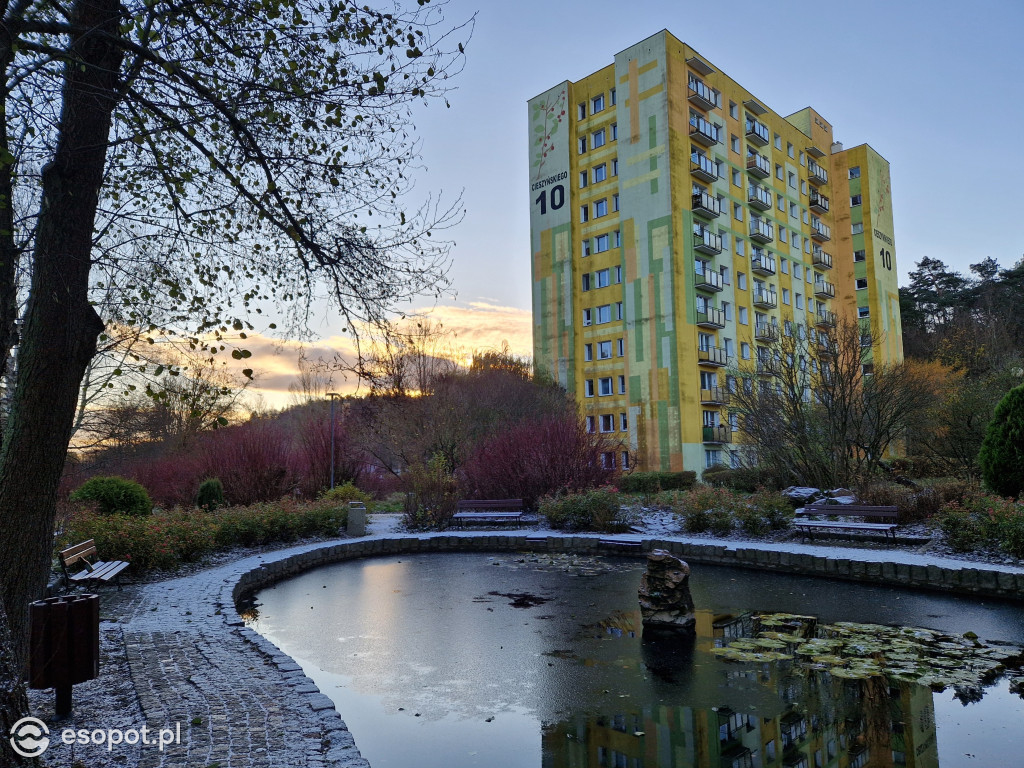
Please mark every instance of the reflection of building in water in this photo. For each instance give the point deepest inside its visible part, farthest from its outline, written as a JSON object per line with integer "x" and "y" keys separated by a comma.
{"x": 820, "y": 722}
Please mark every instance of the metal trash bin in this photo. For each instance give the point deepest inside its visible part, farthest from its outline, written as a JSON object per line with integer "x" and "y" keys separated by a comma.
{"x": 64, "y": 644}
{"x": 356, "y": 519}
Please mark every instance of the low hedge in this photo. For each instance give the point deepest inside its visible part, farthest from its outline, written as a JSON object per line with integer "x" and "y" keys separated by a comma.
{"x": 165, "y": 540}
{"x": 595, "y": 510}
{"x": 652, "y": 482}
{"x": 983, "y": 521}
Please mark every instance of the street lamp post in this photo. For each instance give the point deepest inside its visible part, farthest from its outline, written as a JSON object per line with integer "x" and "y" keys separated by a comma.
{"x": 334, "y": 396}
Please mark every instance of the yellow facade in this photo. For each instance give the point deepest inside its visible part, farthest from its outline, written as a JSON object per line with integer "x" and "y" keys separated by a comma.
{"x": 677, "y": 224}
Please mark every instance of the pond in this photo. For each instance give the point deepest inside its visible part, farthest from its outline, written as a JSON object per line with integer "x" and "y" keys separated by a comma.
{"x": 522, "y": 661}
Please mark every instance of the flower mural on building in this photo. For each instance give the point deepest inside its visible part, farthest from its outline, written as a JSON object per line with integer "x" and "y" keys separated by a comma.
{"x": 546, "y": 118}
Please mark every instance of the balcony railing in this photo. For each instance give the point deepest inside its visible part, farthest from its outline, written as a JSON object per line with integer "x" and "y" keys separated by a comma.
{"x": 766, "y": 332}
{"x": 821, "y": 259}
{"x": 765, "y": 299}
{"x": 704, "y": 97}
{"x": 715, "y": 356}
{"x": 705, "y": 205}
{"x": 714, "y": 396}
{"x": 818, "y": 202}
{"x": 761, "y": 230}
{"x": 765, "y": 366}
{"x": 704, "y": 132}
{"x": 815, "y": 173}
{"x": 759, "y": 166}
{"x": 825, "y": 318}
{"x": 706, "y": 241}
{"x": 711, "y": 318}
{"x": 826, "y": 346}
{"x": 719, "y": 434}
{"x": 762, "y": 262}
{"x": 824, "y": 289}
{"x": 703, "y": 167}
{"x": 820, "y": 231}
{"x": 759, "y": 197}
{"x": 709, "y": 280}
{"x": 757, "y": 132}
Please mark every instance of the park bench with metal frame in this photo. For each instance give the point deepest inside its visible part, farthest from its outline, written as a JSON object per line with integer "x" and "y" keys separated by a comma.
{"x": 862, "y": 511}
{"x": 98, "y": 571}
{"x": 489, "y": 511}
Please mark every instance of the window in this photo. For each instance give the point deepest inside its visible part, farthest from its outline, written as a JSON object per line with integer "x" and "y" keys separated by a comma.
{"x": 863, "y": 312}
{"x": 712, "y": 458}
{"x": 620, "y": 347}
{"x": 741, "y": 280}
{"x": 611, "y": 96}
{"x": 581, "y": 110}
{"x": 778, "y": 140}
{"x": 805, "y": 216}
{"x": 615, "y": 131}
{"x": 708, "y": 380}
{"x": 859, "y": 256}
{"x": 780, "y": 203}
{"x": 604, "y": 350}
{"x": 582, "y": 144}
{"x": 785, "y": 295}
{"x": 744, "y": 350}
{"x": 783, "y": 235}
{"x": 617, "y": 240}
{"x": 607, "y": 422}
{"x": 604, "y": 314}
{"x": 622, "y": 385}
{"x": 802, "y": 159}
{"x": 857, "y": 229}
{"x": 778, "y": 172}
{"x": 604, "y": 386}
{"x": 588, "y": 352}
{"x": 600, "y": 246}
{"x": 739, "y": 247}
{"x": 798, "y": 271}
{"x": 597, "y": 104}
{"x": 734, "y": 143}
{"x": 726, "y": 308}
{"x": 588, "y": 388}
{"x": 867, "y": 369}
{"x": 608, "y": 460}
{"x": 737, "y": 211}
{"x": 597, "y": 139}
{"x": 798, "y": 300}
{"x": 725, "y": 275}
{"x": 601, "y": 208}
{"x": 603, "y": 276}
{"x": 855, "y": 172}
{"x": 784, "y": 263}
{"x": 743, "y": 316}
{"x": 585, "y": 279}
{"x": 590, "y": 424}
{"x": 794, "y": 210}
{"x": 615, "y": 167}
{"x": 600, "y": 172}
{"x": 618, "y": 310}
{"x": 623, "y": 423}
{"x": 862, "y": 283}
{"x": 583, "y": 179}
{"x": 736, "y": 180}
{"x": 584, "y": 213}
{"x": 588, "y": 315}
{"x": 730, "y": 349}
{"x": 615, "y": 202}
{"x": 854, "y": 200}
{"x": 586, "y": 247}
{"x": 617, "y": 273}
{"x": 803, "y": 186}
{"x": 734, "y": 111}
{"x": 789, "y": 149}
{"x": 792, "y": 180}
{"x": 625, "y": 459}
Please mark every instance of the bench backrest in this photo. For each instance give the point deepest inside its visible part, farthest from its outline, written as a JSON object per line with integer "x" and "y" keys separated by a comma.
{"x": 83, "y": 551}
{"x": 854, "y": 510}
{"x": 492, "y": 504}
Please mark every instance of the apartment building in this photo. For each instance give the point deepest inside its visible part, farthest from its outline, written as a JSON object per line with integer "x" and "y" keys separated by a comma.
{"x": 678, "y": 226}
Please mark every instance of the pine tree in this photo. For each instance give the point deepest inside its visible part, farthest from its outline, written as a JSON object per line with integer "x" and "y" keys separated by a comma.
{"x": 1002, "y": 452}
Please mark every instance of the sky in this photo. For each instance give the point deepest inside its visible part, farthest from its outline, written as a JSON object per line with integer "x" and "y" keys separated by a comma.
{"x": 936, "y": 87}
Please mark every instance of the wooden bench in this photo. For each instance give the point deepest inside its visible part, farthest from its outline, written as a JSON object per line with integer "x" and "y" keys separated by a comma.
{"x": 92, "y": 571}
{"x": 862, "y": 511}
{"x": 624, "y": 540}
{"x": 489, "y": 511}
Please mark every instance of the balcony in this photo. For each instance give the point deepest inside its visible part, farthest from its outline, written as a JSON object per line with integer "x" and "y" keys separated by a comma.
{"x": 815, "y": 173}
{"x": 704, "y": 132}
{"x": 713, "y": 356}
{"x": 819, "y": 203}
{"x": 714, "y": 396}
{"x": 719, "y": 434}
{"x": 707, "y": 206}
{"x": 762, "y": 231}
{"x": 765, "y": 299}
{"x": 826, "y": 346}
{"x": 762, "y": 262}
{"x": 765, "y": 366}
{"x": 709, "y": 280}
{"x": 757, "y": 132}
{"x": 711, "y": 318}
{"x": 758, "y": 165}
{"x": 703, "y": 97}
{"x": 759, "y": 197}
{"x": 824, "y": 289}
{"x": 825, "y": 319}
{"x": 706, "y": 241}
{"x": 820, "y": 232}
{"x": 703, "y": 167}
{"x": 820, "y": 259}
{"x": 766, "y": 332}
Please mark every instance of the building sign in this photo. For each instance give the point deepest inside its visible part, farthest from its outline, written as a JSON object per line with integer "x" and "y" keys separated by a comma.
{"x": 549, "y": 161}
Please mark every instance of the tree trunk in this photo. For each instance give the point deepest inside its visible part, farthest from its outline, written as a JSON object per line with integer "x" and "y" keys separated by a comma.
{"x": 61, "y": 327}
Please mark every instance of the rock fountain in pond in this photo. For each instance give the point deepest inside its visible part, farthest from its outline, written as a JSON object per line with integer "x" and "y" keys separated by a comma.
{"x": 665, "y": 600}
